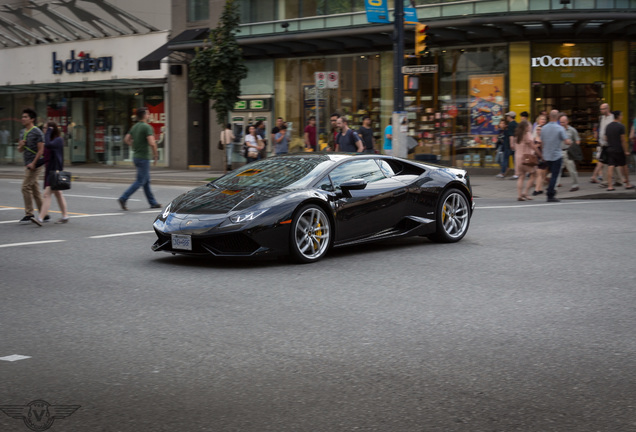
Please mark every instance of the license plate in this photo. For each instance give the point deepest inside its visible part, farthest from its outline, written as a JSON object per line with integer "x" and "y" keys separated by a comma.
{"x": 183, "y": 242}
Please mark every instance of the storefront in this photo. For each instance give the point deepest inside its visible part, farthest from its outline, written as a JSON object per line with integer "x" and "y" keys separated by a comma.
{"x": 90, "y": 88}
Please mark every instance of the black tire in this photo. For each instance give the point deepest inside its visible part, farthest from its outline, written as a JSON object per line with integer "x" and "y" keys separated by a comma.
{"x": 310, "y": 235}
{"x": 452, "y": 217}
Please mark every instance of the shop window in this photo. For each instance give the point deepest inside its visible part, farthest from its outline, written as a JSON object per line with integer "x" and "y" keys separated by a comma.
{"x": 198, "y": 10}
{"x": 252, "y": 11}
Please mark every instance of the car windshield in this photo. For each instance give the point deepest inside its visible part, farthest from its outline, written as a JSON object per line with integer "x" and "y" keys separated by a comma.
{"x": 279, "y": 172}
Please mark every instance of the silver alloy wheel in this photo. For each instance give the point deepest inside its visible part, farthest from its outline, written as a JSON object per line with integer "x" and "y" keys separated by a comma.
{"x": 455, "y": 215}
{"x": 311, "y": 233}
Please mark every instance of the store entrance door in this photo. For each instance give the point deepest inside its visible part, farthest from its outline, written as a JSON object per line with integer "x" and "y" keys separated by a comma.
{"x": 580, "y": 102}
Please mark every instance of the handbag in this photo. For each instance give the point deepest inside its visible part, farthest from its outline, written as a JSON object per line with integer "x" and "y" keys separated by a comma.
{"x": 574, "y": 152}
{"x": 529, "y": 159}
{"x": 602, "y": 158}
{"x": 220, "y": 145}
{"x": 60, "y": 180}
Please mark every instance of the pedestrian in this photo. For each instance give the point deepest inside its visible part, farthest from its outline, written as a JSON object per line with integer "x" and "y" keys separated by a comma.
{"x": 552, "y": 134}
{"x": 141, "y": 138}
{"x": 388, "y": 139}
{"x": 524, "y": 144}
{"x": 617, "y": 150}
{"x": 348, "y": 140}
{"x": 227, "y": 139}
{"x": 282, "y": 142}
{"x": 524, "y": 116}
{"x": 567, "y": 150}
{"x": 499, "y": 146}
{"x": 276, "y": 129}
{"x": 53, "y": 161}
{"x": 253, "y": 143}
{"x": 632, "y": 140}
{"x": 333, "y": 133}
{"x": 542, "y": 168}
{"x": 600, "y": 171}
{"x": 310, "y": 134}
{"x": 507, "y": 152}
{"x": 262, "y": 134}
{"x": 5, "y": 138}
{"x": 510, "y": 132}
{"x": 32, "y": 148}
{"x": 366, "y": 135}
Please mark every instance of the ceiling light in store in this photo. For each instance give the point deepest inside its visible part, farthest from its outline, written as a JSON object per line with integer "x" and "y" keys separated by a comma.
{"x": 569, "y": 44}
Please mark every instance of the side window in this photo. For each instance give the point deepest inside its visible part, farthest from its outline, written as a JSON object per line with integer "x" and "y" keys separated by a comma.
{"x": 325, "y": 184}
{"x": 366, "y": 169}
{"x": 386, "y": 168}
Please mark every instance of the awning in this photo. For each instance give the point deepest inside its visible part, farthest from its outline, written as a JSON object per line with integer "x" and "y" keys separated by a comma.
{"x": 153, "y": 60}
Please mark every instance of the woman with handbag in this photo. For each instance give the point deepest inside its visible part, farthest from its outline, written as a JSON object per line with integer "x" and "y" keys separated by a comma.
{"x": 54, "y": 162}
{"x": 527, "y": 154}
{"x": 253, "y": 144}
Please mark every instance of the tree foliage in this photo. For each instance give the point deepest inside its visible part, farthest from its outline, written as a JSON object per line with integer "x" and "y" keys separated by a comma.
{"x": 218, "y": 68}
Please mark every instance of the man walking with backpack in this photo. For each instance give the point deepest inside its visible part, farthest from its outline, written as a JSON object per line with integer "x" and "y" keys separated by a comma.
{"x": 347, "y": 140}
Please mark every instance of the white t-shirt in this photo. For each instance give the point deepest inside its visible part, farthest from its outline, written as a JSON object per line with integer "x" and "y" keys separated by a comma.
{"x": 250, "y": 140}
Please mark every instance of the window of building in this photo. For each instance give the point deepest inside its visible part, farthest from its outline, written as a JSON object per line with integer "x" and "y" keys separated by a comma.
{"x": 198, "y": 10}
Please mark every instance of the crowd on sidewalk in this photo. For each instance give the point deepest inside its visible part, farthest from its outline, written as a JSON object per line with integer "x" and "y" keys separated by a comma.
{"x": 542, "y": 150}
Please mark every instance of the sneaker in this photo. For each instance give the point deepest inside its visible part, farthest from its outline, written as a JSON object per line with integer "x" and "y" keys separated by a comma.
{"x": 514, "y": 177}
{"x": 535, "y": 193}
{"x": 554, "y": 200}
{"x": 62, "y": 221}
{"x": 36, "y": 221}
{"x": 122, "y": 203}
{"x": 46, "y": 218}
{"x": 574, "y": 188}
{"x": 26, "y": 220}
{"x": 499, "y": 176}
{"x": 157, "y": 205}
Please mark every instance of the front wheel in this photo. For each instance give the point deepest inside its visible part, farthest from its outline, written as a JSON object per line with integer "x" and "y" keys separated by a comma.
{"x": 452, "y": 217}
{"x": 310, "y": 234}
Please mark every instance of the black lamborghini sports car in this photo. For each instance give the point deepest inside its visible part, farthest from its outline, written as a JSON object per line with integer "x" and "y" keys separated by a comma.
{"x": 306, "y": 203}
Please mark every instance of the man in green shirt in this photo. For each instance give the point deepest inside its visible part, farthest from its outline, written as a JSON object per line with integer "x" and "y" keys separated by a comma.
{"x": 31, "y": 146}
{"x": 142, "y": 139}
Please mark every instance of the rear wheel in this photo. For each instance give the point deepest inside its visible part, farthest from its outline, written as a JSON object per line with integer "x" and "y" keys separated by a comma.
{"x": 310, "y": 234}
{"x": 452, "y": 217}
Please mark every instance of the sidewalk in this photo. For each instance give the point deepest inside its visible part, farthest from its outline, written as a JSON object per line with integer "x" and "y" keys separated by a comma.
{"x": 485, "y": 185}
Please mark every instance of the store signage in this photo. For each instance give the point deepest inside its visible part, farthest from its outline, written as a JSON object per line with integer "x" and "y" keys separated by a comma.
{"x": 83, "y": 64}
{"x": 377, "y": 11}
{"x": 410, "y": 70}
{"x": 252, "y": 104}
{"x": 548, "y": 61}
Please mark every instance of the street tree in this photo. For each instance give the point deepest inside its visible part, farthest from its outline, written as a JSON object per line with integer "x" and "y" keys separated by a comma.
{"x": 218, "y": 67}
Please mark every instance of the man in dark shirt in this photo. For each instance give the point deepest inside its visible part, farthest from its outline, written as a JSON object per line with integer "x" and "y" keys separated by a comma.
{"x": 366, "y": 135}
{"x": 617, "y": 150}
{"x": 347, "y": 141}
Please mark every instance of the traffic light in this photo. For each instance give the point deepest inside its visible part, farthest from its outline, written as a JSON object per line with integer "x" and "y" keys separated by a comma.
{"x": 420, "y": 38}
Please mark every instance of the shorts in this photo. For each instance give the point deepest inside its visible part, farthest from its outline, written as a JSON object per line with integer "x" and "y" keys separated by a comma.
{"x": 616, "y": 158}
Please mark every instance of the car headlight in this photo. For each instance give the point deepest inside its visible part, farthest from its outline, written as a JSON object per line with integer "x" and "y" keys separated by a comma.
{"x": 166, "y": 212}
{"x": 246, "y": 217}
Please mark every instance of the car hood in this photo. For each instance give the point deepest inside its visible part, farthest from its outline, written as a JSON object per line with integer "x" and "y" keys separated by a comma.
{"x": 210, "y": 200}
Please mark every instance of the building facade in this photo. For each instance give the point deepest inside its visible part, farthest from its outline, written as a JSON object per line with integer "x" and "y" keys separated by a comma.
{"x": 484, "y": 58}
{"x": 77, "y": 66}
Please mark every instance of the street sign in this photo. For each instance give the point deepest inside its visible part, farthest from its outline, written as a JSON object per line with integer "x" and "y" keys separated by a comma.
{"x": 332, "y": 79}
{"x": 240, "y": 105}
{"x": 257, "y": 104}
{"x": 412, "y": 70}
{"x": 321, "y": 79}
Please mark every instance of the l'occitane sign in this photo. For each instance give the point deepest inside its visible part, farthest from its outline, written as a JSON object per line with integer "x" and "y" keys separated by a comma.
{"x": 548, "y": 61}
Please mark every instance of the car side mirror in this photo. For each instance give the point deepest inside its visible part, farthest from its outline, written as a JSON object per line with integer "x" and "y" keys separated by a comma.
{"x": 354, "y": 184}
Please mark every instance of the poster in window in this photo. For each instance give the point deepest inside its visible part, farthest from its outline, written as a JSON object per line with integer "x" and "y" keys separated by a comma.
{"x": 486, "y": 103}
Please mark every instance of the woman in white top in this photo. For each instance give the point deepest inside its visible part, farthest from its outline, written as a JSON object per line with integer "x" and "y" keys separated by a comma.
{"x": 227, "y": 138}
{"x": 251, "y": 142}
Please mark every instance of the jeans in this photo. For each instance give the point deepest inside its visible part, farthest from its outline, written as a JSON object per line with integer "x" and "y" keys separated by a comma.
{"x": 143, "y": 179}
{"x": 555, "y": 168}
{"x": 505, "y": 161}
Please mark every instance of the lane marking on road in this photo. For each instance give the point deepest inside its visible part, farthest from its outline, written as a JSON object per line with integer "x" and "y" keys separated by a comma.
{"x": 31, "y": 243}
{"x": 98, "y": 197}
{"x": 97, "y": 215}
{"x": 121, "y": 234}
{"x": 14, "y": 357}
{"x": 601, "y": 201}
{"x": 9, "y": 208}
{"x": 149, "y": 211}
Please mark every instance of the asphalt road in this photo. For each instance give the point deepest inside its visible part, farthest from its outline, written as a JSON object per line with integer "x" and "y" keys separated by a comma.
{"x": 525, "y": 325}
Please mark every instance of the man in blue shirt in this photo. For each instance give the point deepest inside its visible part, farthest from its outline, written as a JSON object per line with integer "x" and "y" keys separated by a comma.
{"x": 552, "y": 135}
